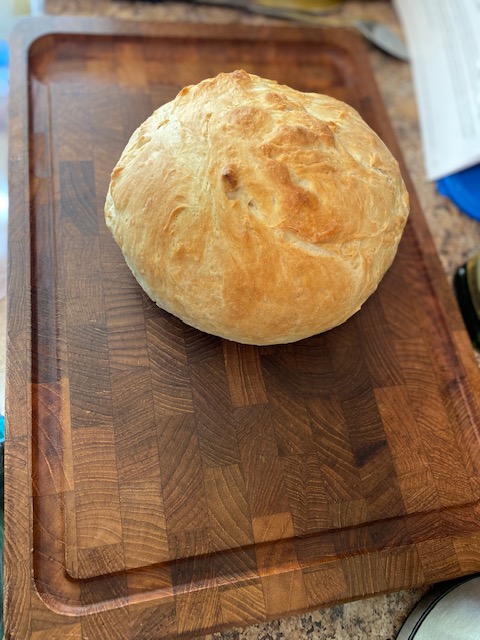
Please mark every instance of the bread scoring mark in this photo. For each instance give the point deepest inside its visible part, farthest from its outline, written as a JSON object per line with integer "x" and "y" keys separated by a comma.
{"x": 230, "y": 180}
{"x": 117, "y": 171}
{"x": 377, "y": 165}
{"x": 247, "y": 118}
{"x": 172, "y": 218}
{"x": 293, "y": 238}
{"x": 137, "y": 143}
{"x": 318, "y": 135}
{"x": 293, "y": 196}
{"x": 230, "y": 177}
{"x": 333, "y": 126}
{"x": 280, "y": 103}
{"x": 206, "y": 127}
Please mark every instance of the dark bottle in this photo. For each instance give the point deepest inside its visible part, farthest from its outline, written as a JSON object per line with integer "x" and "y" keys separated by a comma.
{"x": 466, "y": 283}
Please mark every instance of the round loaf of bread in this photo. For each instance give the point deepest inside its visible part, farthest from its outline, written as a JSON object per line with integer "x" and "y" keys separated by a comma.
{"x": 256, "y": 212}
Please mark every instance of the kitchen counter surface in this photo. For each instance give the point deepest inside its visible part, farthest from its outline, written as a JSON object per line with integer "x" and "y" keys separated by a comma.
{"x": 456, "y": 237}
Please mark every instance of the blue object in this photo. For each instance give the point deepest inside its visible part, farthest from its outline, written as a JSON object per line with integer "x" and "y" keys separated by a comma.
{"x": 4, "y": 53}
{"x": 2, "y": 429}
{"x": 463, "y": 188}
{"x": 4, "y": 60}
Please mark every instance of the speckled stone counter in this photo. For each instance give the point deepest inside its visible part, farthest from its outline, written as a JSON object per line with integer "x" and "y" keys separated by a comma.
{"x": 456, "y": 237}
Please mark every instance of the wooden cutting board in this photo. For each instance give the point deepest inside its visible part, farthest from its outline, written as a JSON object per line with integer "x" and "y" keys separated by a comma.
{"x": 161, "y": 482}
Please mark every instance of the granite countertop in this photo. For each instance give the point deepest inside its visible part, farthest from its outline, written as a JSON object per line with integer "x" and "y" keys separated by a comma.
{"x": 456, "y": 237}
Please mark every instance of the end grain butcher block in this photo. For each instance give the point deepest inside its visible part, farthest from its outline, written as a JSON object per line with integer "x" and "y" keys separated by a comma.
{"x": 161, "y": 482}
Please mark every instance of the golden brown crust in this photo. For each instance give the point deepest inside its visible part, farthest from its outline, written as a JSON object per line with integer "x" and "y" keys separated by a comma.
{"x": 256, "y": 212}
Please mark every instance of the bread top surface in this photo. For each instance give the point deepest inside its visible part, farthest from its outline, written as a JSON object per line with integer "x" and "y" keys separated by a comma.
{"x": 257, "y": 212}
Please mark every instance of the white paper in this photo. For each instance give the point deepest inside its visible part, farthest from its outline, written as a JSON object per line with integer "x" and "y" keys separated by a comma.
{"x": 443, "y": 38}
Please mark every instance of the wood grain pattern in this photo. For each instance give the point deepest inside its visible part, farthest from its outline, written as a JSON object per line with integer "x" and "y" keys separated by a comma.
{"x": 164, "y": 483}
